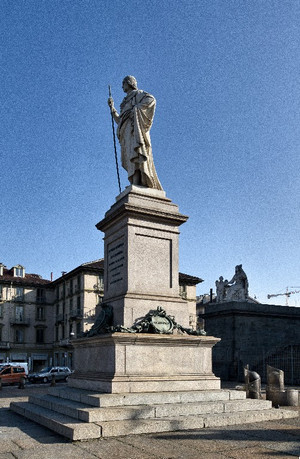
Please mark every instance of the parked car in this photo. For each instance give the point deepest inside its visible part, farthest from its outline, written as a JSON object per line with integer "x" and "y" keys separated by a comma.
{"x": 46, "y": 374}
{"x": 16, "y": 364}
{"x": 12, "y": 374}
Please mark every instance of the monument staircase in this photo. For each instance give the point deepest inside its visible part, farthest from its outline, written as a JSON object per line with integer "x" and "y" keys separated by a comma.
{"x": 82, "y": 414}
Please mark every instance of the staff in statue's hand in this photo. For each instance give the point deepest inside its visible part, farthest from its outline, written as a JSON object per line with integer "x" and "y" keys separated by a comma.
{"x": 111, "y": 104}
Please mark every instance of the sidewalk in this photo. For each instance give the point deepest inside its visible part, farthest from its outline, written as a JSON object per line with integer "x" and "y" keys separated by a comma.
{"x": 21, "y": 438}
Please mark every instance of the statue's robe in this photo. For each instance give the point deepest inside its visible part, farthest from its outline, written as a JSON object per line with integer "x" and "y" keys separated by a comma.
{"x": 135, "y": 120}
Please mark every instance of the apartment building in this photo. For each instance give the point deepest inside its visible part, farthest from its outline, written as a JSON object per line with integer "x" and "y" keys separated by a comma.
{"x": 77, "y": 295}
{"x": 38, "y": 317}
{"x": 26, "y": 317}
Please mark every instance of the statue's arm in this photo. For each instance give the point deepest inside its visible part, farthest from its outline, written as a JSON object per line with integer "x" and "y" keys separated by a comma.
{"x": 233, "y": 280}
{"x": 113, "y": 111}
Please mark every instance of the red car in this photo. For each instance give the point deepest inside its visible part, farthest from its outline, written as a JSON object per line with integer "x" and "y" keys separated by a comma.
{"x": 11, "y": 374}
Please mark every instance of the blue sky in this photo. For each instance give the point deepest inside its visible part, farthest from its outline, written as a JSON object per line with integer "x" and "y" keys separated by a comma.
{"x": 225, "y": 138}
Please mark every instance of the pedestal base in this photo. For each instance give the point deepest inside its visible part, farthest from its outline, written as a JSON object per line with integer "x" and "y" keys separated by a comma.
{"x": 141, "y": 256}
{"x": 125, "y": 362}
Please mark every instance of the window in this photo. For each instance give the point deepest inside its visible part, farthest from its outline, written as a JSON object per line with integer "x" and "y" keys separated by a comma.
{"x": 19, "y": 313}
{"x": 101, "y": 282}
{"x": 62, "y": 332}
{"x": 57, "y": 309}
{"x": 18, "y": 370}
{"x": 19, "y": 336}
{"x": 1, "y": 292}
{"x": 56, "y": 333}
{"x": 19, "y": 271}
{"x": 71, "y": 286}
{"x": 40, "y": 335}
{"x": 0, "y": 332}
{"x": 40, "y": 313}
{"x": 6, "y": 371}
{"x": 78, "y": 305}
{"x": 78, "y": 282}
{"x": 71, "y": 304}
{"x": 182, "y": 291}
{"x": 19, "y": 294}
{"x": 78, "y": 328}
{"x": 1, "y": 310}
{"x": 40, "y": 295}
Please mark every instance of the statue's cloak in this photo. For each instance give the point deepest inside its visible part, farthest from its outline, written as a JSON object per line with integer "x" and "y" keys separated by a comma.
{"x": 136, "y": 116}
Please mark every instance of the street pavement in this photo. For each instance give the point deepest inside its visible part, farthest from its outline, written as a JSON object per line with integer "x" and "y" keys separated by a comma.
{"x": 21, "y": 438}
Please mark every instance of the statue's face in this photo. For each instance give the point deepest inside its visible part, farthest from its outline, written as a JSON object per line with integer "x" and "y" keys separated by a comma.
{"x": 125, "y": 86}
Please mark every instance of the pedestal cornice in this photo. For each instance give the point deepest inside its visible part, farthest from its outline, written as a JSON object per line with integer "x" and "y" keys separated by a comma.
{"x": 128, "y": 210}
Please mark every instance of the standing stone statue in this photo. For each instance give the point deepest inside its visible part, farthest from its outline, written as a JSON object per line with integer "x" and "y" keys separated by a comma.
{"x": 221, "y": 285}
{"x": 134, "y": 122}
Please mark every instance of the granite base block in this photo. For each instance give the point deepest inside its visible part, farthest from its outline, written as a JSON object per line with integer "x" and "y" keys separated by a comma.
{"x": 127, "y": 362}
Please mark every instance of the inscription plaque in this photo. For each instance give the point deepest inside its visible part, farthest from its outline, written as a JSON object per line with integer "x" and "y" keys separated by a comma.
{"x": 161, "y": 324}
{"x": 116, "y": 259}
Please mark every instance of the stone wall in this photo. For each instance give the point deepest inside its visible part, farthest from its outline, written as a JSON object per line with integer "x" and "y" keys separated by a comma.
{"x": 250, "y": 334}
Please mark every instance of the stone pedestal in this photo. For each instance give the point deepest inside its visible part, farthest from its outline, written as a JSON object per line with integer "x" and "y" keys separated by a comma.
{"x": 126, "y": 362}
{"x": 140, "y": 274}
{"x": 141, "y": 256}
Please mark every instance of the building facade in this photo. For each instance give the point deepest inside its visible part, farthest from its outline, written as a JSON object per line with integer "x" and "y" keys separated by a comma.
{"x": 256, "y": 335}
{"x": 26, "y": 317}
{"x": 187, "y": 291}
{"x": 77, "y": 295}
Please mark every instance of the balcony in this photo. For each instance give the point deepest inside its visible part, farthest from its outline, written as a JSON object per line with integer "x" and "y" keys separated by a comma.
{"x": 4, "y": 345}
{"x": 18, "y": 298}
{"x": 65, "y": 342}
{"x": 20, "y": 321}
{"x": 40, "y": 318}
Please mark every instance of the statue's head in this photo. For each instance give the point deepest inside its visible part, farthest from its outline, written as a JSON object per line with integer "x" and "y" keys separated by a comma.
{"x": 131, "y": 81}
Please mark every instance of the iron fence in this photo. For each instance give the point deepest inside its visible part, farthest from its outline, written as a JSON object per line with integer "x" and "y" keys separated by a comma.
{"x": 286, "y": 359}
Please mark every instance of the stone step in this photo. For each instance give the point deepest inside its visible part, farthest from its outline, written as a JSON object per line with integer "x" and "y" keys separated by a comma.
{"x": 86, "y": 413}
{"x": 76, "y": 429}
{"x": 57, "y": 422}
{"x": 171, "y": 424}
{"x": 90, "y": 414}
{"x": 145, "y": 398}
